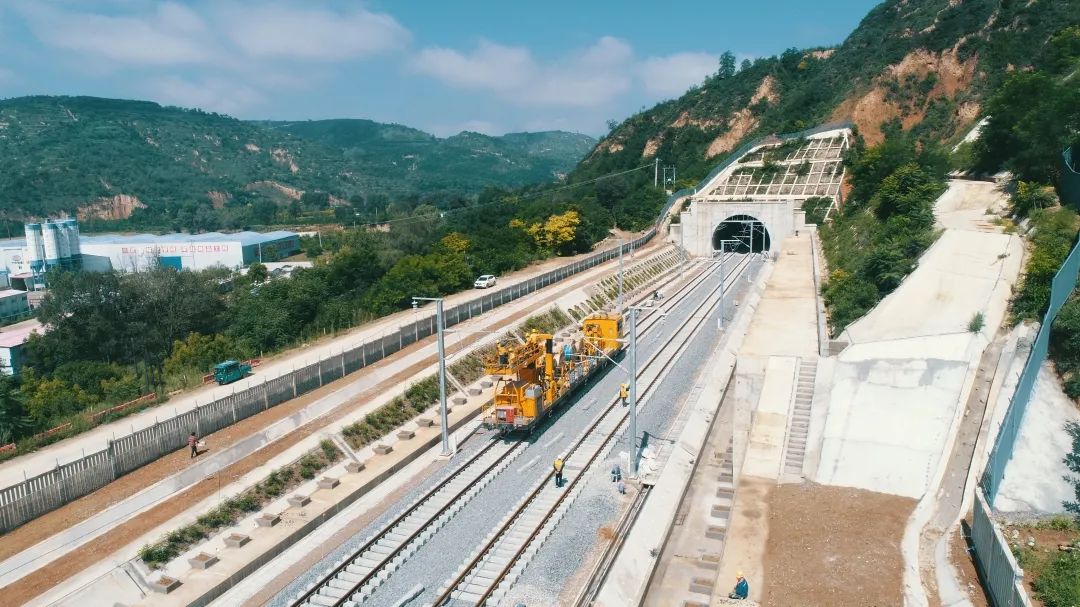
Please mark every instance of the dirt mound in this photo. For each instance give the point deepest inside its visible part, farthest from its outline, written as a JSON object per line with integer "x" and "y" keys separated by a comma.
{"x": 834, "y": 546}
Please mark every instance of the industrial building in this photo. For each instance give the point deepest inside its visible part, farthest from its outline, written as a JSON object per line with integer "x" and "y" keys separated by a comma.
{"x": 58, "y": 244}
{"x": 12, "y": 344}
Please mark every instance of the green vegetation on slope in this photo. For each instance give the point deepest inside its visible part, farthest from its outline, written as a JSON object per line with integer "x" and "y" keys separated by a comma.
{"x": 886, "y": 223}
{"x": 974, "y": 45}
{"x": 201, "y": 171}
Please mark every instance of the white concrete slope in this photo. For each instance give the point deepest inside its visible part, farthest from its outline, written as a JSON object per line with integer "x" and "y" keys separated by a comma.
{"x": 897, "y": 388}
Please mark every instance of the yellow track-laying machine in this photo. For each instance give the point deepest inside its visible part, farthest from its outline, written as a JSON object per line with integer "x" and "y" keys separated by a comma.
{"x": 535, "y": 377}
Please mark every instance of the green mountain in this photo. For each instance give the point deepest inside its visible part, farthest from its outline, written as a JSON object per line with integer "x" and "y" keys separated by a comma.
{"x": 467, "y": 161}
{"x": 919, "y": 66}
{"x": 155, "y": 166}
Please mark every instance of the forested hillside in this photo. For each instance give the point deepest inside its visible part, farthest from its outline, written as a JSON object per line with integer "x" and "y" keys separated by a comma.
{"x": 918, "y": 66}
{"x": 164, "y": 167}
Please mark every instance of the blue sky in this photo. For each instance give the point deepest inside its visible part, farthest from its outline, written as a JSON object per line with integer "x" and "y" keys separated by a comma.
{"x": 442, "y": 66}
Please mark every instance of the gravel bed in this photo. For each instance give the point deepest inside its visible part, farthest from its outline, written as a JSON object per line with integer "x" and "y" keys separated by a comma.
{"x": 565, "y": 551}
{"x": 300, "y": 584}
{"x": 598, "y": 504}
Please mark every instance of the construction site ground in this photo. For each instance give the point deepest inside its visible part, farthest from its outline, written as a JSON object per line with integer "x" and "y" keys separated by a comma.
{"x": 44, "y": 578}
{"x": 833, "y": 546}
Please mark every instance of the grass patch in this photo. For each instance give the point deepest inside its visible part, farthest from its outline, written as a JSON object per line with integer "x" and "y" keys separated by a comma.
{"x": 273, "y": 486}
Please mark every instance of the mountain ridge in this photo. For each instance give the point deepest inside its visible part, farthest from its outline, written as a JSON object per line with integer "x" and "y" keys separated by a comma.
{"x": 161, "y": 166}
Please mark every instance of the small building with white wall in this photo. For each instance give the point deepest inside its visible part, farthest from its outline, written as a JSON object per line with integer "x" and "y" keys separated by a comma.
{"x": 12, "y": 345}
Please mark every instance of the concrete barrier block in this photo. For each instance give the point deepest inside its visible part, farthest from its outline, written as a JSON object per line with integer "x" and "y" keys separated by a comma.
{"x": 715, "y": 533}
{"x": 164, "y": 584}
{"x": 328, "y": 482}
{"x": 299, "y": 500}
{"x": 424, "y": 422}
{"x": 381, "y": 449}
{"x": 354, "y": 467}
{"x": 267, "y": 519}
{"x": 474, "y": 391}
{"x": 702, "y": 585}
{"x": 487, "y": 383}
{"x": 202, "y": 561}
{"x": 236, "y": 540}
{"x": 406, "y": 434}
{"x": 459, "y": 400}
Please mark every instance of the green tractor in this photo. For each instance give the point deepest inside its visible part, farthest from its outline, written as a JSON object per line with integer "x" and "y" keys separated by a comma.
{"x": 230, "y": 371}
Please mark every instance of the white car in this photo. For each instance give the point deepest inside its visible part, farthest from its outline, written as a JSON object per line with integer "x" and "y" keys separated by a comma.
{"x": 484, "y": 282}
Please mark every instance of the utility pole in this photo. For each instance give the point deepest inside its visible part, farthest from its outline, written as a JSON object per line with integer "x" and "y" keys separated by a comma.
{"x": 633, "y": 392}
{"x": 671, "y": 179}
{"x": 656, "y": 173}
{"x": 723, "y": 246}
{"x": 618, "y": 303}
{"x": 444, "y": 422}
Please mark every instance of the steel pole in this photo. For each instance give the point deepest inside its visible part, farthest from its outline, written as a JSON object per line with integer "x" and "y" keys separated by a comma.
{"x": 618, "y": 302}
{"x": 442, "y": 379}
{"x": 721, "y": 322}
{"x": 633, "y": 393}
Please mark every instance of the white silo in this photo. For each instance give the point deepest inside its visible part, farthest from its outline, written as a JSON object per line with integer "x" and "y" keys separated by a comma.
{"x": 35, "y": 248}
{"x": 62, "y": 246}
{"x": 51, "y": 234}
{"x": 71, "y": 228}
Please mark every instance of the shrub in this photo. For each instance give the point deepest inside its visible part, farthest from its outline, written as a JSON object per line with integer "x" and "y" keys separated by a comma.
{"x": 1059, "y": 584}
{"x": 976, "y": 323}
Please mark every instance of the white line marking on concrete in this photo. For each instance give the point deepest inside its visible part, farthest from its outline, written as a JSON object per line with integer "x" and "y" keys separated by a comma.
{"x": 528, "y": 464}
{"x": 552, "y": 441}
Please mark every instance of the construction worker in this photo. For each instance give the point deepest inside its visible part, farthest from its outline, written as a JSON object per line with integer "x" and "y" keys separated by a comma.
{"x": 558, "y": 471}
{"x": 504, "y": 355}
{"x": 624, "y": 393}
{"x": 742, "y": 589}
{"x": 193, "y": 444}
{"x": 616, "y": 473}
{"x": 568, "y": 353}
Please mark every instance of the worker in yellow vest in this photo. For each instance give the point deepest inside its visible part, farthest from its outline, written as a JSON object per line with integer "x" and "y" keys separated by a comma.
{"x": 558, "y": 471}
{"x": 624, "y": 393}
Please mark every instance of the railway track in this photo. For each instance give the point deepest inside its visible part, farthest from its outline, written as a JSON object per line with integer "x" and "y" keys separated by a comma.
{"x": 493, "y": 568}
{"x": 354, "y": 578}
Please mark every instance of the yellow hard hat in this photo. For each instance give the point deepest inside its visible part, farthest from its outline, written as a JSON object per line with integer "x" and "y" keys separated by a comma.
{"x": 739, "y": 575}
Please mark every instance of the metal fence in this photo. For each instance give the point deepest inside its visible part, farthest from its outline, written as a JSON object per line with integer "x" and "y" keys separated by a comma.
{"x": 1060, "y": 288}
{"x": 1002, "y": 576}
{"x": 44, "y": 492}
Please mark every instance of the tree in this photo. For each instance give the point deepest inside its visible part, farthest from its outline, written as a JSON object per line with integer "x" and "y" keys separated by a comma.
{"x": 14, "y": 421}
{"x": 1072, "y": 462}
{"x": 727, "y": 66}
{"x": 257, "y": 272}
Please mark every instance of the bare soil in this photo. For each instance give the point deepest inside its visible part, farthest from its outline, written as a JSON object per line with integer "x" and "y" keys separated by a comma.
{"x": 966, "y": 574}
{"x": 834, "y": 546}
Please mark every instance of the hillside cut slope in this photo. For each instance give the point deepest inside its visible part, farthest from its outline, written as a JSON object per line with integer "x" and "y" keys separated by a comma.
{"x": 921, "y": 66}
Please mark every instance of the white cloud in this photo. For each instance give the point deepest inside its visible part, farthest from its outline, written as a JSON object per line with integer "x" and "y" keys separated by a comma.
{"x": 171, "y": 35}
{"x": 231, "y": 34}
{"x": 279, "y": 31}
{"x": 586, "y": 78}
{"x": 671, "y": 75}
{"x": 490, "y": 66}
{"x": 212, "y": 94}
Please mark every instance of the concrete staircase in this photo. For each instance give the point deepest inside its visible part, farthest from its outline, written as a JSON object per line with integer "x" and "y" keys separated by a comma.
{"x": 799, "y": 427}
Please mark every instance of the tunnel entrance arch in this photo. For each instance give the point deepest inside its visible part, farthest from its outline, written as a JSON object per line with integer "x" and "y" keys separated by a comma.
{"x": 743, "y": 234}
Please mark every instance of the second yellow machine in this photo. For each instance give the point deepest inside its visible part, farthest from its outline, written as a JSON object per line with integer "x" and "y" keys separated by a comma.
{"x": 535, "y": 377}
